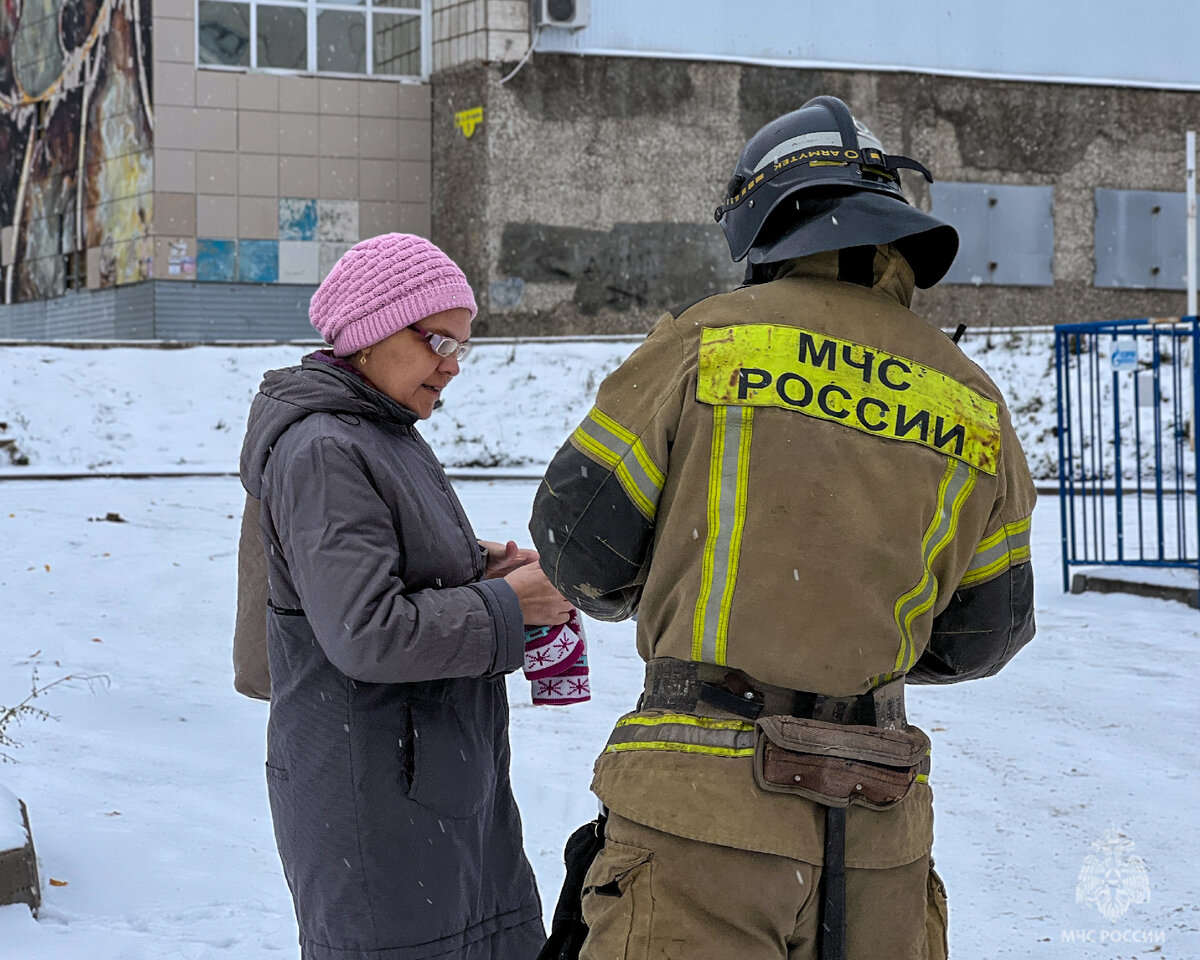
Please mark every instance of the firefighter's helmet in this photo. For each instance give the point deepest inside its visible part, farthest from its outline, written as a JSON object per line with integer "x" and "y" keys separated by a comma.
{"x": 817, "y": 179}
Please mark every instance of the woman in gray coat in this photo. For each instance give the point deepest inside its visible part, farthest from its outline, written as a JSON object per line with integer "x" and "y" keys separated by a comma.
{"x": 390, "y": 631}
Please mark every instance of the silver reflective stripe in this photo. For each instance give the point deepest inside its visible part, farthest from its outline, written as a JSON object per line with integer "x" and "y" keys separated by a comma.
{"x": 696, "y": 735}
{"x": 724, "y": 488}
{"x": 956, "y": 486}
{"x": 1009, "y": 543}
{"x": 647, "y": 488}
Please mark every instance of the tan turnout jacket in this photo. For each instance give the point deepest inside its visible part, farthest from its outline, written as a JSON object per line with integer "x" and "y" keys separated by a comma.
{"x": 805, "y": 481}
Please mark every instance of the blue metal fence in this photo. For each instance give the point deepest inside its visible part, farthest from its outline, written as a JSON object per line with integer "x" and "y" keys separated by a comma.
{"x": 1127, "y": 454}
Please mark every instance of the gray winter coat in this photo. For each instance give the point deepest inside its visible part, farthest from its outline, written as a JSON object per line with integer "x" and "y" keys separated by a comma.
{"x": 387, "y": 746}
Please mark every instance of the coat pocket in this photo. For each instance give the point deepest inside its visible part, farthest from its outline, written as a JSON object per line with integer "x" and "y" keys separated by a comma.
{"x": 450, "y": 766}
{"x": 618, "y": 905}
{"x": 283, "y": 819}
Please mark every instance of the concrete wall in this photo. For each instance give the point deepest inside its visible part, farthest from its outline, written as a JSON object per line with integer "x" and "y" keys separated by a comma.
{"x": 583, "y": 201}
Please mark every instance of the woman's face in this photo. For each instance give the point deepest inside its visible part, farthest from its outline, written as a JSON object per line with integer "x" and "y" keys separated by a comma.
{"x": 405, "y": 367}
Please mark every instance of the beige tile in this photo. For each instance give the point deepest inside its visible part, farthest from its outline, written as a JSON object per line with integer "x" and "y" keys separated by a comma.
{"x": 298, "y": 133}
{"x": 93, "y": 267}
{"x": 216, "y": 88}
{"x": 174, "y": 84}
{"x": 175, "y": 41}
{"x": 375, "y": 218}
{"x": 377, "y": 98}
{"x": 174, "y": 171}
{"x": 258, "y": 175}
{"x": 337, "y": 221}
{"x": 175, "y": 258}
{"x": 339, "y": 179}
{"x": 215, "y": 129}
{"x": 508, "y": 15}
{"x": 413, "y": 140}
{"x": 216, "y": 173}
{"x": 507, "y": 44}
{"x": 330, "y": 253}
{"x": 175, "y": 214}
{"x": 298, "y": 177}
{"x": 377, "y": 179}
{"x": 299, "y": 261}
{"x": 171, "y": 10}
{"x": 216, "y": 217}
{"x": 413, "y": 101}
{"x": 377, "y": 137}
{"x": 338, "y": 136}
{"x": 412, "y": 218}
{"x": 412, "y": 181}
{"x": 258, "y": 91}
{"x": 338, "y": 96}
{"x": 258, "y": 132}
{"x": 258, "y": 218}
{"x": 298, "y": 94}
{"x": 173, "y": 127}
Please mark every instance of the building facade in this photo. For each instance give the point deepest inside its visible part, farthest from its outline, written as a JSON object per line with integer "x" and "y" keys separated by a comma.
{"x": 191, "y": 169}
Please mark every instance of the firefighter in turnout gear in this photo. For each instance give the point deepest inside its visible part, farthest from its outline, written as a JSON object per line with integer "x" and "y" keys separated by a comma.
{"x": 809, "y": 497}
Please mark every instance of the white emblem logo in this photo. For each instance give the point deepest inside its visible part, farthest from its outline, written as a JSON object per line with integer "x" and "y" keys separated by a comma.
{"x": 1113, "y": 877}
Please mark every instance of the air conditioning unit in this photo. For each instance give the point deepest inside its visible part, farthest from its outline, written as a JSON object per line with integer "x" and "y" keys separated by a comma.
{"x": 565, "y": 14}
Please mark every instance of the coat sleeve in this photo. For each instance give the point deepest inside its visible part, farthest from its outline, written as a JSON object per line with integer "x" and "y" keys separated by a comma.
{"x": 251, "y": 675}
{"x": 990, "y": 616}
{"x": 594, "y": 512}
{"x": 340, "y": 544}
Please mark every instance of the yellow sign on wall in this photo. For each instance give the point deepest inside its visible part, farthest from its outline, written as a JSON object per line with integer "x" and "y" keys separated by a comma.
{"x": 468, "y": 120}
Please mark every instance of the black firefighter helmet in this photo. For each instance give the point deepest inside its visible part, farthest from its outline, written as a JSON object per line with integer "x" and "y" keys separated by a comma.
{"x": 817, "y": 179}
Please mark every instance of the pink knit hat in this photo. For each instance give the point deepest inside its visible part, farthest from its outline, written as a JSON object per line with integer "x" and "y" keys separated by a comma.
{"x": 381, "y": 286}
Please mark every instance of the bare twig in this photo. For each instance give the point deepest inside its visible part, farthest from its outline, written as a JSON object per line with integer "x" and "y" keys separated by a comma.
{"x": 25, "y": 710}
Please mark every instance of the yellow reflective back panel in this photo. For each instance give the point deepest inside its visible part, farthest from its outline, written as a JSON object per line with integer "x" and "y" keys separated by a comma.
{"x": 771, "y": 365}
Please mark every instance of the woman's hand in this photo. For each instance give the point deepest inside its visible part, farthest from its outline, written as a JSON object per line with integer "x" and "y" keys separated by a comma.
{"x": 541, "y": 604}
{"x": 504, "y": 558}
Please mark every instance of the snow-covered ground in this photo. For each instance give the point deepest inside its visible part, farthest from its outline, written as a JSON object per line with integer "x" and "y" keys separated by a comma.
{"x": 140, "y": 409}
{"x": 146, "y": 793}
{"x": 147, "y": 800}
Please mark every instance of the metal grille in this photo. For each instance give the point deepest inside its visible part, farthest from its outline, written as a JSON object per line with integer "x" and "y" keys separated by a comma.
{"x": 1128, "y": 461}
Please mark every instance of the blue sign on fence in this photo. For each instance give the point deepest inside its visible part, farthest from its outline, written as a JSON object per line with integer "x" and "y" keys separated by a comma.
{"x": 1124, "y": 354}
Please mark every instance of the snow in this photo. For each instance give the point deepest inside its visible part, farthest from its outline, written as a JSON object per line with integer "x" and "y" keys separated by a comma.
{"x": 138, "y": 409}
{"x": 146, "y": 794}
{"x": 12, "y": 825}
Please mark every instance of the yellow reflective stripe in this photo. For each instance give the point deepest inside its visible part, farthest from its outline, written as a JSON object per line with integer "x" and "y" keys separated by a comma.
{"x": 958, "y": 480}
{"x": 656, "y": 476}
{"x": 922, "y": 778}
{"x": 728, "y": 481}
{"x": 680, "y": 748}
{"x": 611, "y": 444}
{"x": 955, "y": 512}
{"x": 1007, "y": 546}
{"x": 739, "y": 526}
{"x": 716, "y": 457}
{"x": 709, "y": 723}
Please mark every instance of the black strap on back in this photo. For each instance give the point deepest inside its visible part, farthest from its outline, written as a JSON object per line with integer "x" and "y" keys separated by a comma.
{"x": 833, "y": 904}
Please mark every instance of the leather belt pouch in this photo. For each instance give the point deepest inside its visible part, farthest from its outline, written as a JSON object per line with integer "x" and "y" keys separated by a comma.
{"x": 837, "y": 765}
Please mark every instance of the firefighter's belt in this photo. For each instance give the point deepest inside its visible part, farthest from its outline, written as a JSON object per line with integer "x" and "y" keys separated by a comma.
{"x": 836, "y": 765}
{"x": 685, "y": 686}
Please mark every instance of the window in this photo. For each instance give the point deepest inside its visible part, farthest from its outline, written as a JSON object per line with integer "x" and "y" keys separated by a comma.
{"x": 355, "y": 37}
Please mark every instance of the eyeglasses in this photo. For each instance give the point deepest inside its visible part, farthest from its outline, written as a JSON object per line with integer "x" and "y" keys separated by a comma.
{"x": 443, "y": 346}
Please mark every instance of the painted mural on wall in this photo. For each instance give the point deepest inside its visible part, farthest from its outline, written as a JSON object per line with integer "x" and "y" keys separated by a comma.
{"x": 76, "y": 137}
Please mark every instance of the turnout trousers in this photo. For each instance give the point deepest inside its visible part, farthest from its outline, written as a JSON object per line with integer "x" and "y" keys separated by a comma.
{"x": 653, "y": 894}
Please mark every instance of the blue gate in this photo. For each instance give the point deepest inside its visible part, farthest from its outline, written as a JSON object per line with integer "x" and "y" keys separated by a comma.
{"x": 1127, "y": 453}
